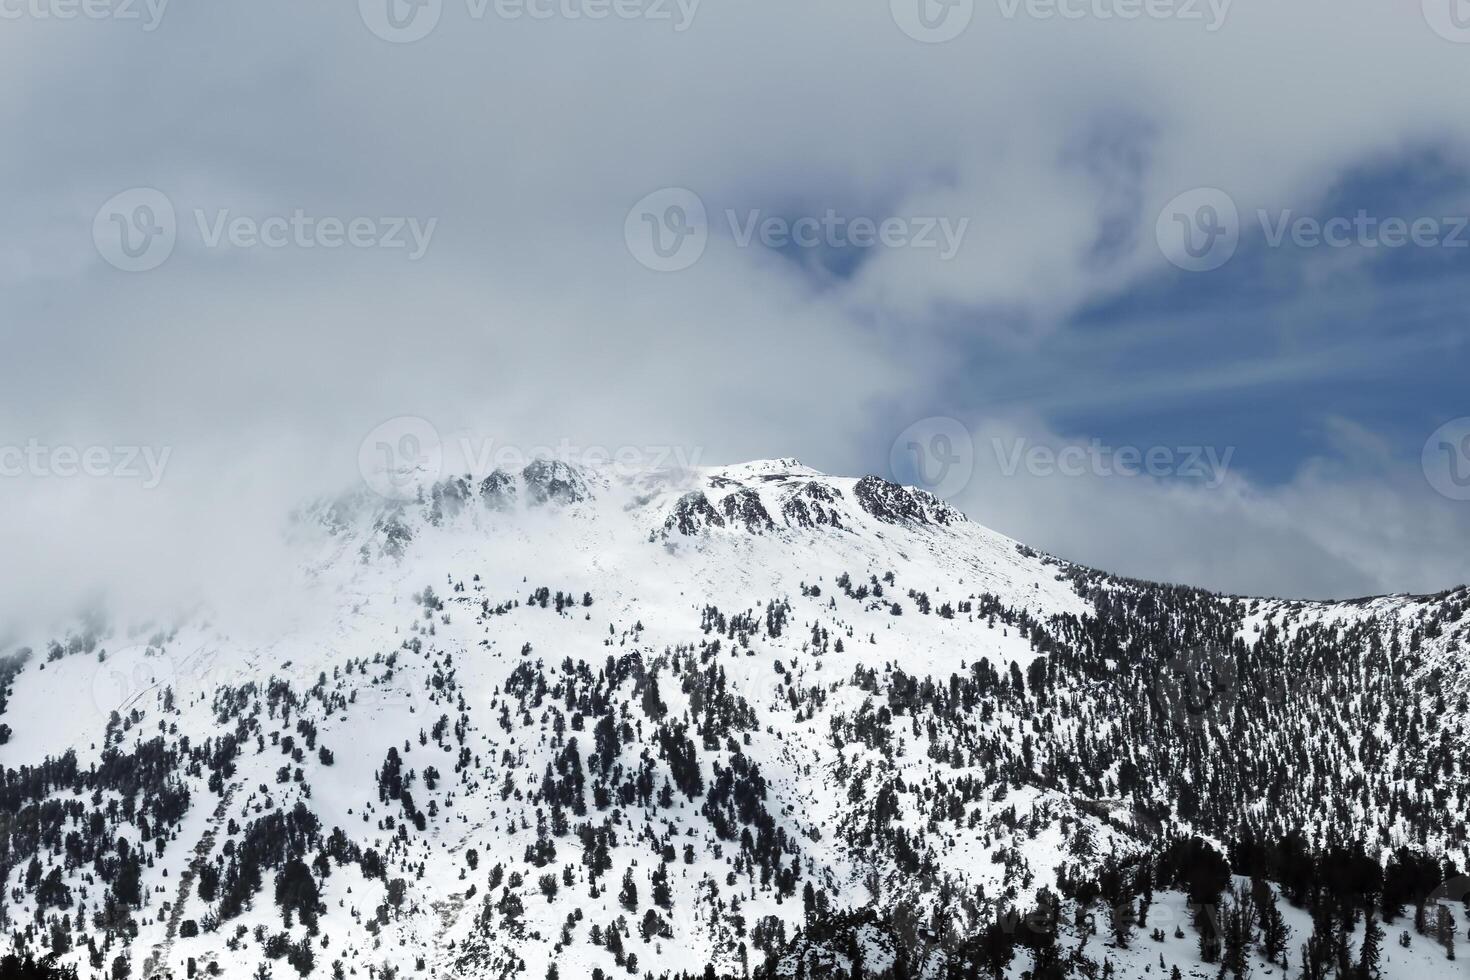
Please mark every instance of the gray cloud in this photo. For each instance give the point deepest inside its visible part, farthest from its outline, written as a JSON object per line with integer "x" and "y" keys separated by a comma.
{"x": 528, "y": 320}
{"x": 1361, "y": 520}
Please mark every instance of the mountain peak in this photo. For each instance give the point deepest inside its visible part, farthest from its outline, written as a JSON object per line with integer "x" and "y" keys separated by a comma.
{"x": 564, "y": 719}
{"x": 785, "y": 466}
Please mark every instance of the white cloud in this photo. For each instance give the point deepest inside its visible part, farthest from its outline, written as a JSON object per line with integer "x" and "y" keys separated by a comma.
{"x": 1358, "y": 522}
{"x": 528, "y": 319}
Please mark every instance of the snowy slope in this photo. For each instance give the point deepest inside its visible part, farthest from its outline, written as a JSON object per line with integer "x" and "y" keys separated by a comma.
{"x": 763, "y": 624}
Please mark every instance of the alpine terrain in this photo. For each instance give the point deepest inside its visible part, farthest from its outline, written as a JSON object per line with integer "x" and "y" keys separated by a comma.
{"x": 749, "y": 721}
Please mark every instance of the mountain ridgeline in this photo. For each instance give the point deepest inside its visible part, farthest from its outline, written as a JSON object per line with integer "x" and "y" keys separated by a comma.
{"x": 741, "y": 722}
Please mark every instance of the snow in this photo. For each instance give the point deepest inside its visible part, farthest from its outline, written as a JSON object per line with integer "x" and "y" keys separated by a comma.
{"x": 608, "y": 546}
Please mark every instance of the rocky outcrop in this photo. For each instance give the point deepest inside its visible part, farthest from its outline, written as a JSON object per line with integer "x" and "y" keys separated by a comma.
{"x": 552, "y": 481}
{"x": 743, "y": 509}
{"x": 498, "y": 491}
{"x": 894, "y": 504}
{"x": 447, "y": 498}
{"x": 813, "y": 504}
{"x": 693, "y": 515}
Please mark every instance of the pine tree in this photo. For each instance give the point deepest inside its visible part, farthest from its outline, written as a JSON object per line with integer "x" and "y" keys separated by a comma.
{"x": 1274, "y": 930}
{"x": 1372, "y": 945}
{"x": 662, "y": 896}
{"x": 1206, "y": 923}
{"x": 1444, "y": 930}
{"x": 901, "y": 963}
{"x": 1120, "y": 920}
{"x": 1237, "y": 919}
{"x": 653, "y": 704}
{"x": 628, "y": 897}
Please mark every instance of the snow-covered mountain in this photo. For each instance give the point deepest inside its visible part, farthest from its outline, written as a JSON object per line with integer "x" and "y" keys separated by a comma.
{"x": 742, "y": 721}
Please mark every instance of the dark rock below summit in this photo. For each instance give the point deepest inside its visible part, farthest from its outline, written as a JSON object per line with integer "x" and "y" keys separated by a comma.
{"x": 902, "y": 505}
{"x": 813, "y": 505}
{"x": 692, "y": 515}
{"x": 498, "y": 490}
{"x": 554, "y": 481}
{"x": 743, "y": 508}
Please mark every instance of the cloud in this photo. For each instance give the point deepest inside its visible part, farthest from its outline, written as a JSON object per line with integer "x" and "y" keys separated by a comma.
{"x": 1357, "y": 521}
{"x": 529, "y": 320}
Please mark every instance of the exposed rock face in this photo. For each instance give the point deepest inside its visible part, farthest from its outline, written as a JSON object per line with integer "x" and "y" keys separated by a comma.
{"x": 395, "y": 533}
{"x": 895, "y": 504}
{"x": 554, "y": 481}
{"x": 813, "y": 504}
{"x": 498, "y": 491}
{"x": 780, "y": 497}
{"x": 693, "y": 515}
{"x": 448, "y": 498}
{"x": 744, "y": 509}
{"x": 938, "y": 511}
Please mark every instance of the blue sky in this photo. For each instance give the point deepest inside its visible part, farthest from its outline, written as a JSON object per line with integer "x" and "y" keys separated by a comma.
{"x": 1257, "y": 354}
